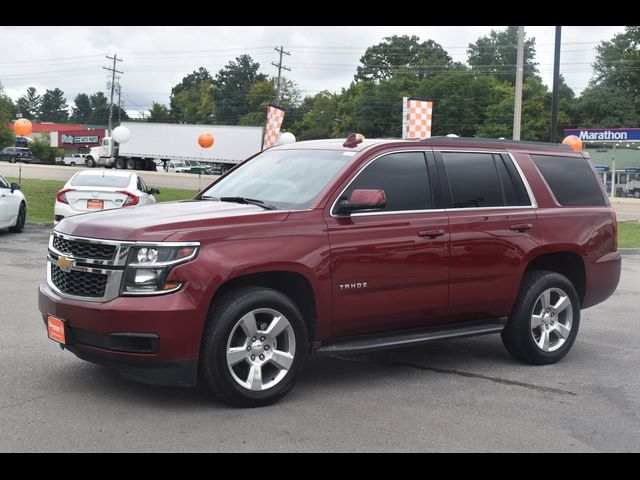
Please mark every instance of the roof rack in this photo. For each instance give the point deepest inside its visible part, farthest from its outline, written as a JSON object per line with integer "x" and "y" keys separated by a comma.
{"x": 495, "y": 142}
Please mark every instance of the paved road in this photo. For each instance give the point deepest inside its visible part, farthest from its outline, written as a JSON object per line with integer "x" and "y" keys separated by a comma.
{"x": 461, "y": 395}
{"x": 60, "y": 172}
{"x": 627, "y": 209}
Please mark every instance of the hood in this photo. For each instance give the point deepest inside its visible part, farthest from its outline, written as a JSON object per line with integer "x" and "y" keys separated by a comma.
{"x": 156, "y": 222}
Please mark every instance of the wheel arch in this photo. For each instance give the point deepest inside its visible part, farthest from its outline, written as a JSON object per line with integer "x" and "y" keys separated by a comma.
{"x": 567, "y": 263}
{"x": 292, "y": 284}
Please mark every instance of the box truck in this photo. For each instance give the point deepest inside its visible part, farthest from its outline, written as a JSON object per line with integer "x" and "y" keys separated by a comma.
{"x": 152, "y": 143}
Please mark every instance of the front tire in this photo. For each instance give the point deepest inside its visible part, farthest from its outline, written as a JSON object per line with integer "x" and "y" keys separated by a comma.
{"x": 21, "y": 220}
{"x": 90, "y": 162}
{"x": 545, "y": 320}
{"x": 12, "y": 160}
{"x": 254, "y": 346}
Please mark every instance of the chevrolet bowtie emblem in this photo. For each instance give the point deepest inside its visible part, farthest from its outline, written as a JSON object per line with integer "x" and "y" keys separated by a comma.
{"x": 65, "y": 263}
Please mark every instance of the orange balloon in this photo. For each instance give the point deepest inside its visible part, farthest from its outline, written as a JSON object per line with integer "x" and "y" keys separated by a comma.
{"x": 205, "y": 140}
{"x": 574, "y": 142}
{"x": 23, "y": 127}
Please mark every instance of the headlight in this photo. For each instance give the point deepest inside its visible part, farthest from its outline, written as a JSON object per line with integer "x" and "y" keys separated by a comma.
{"x": 148, "y": 267}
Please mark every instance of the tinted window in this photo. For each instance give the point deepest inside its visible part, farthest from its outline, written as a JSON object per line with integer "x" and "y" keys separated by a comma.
{"x": 3, "y": 183}
{"x": 570, "y": 179}
{"x": 473, "y": 180}
{"x": 402, "y": 176}
{"x": 141, "y": 185}
{"x": 100, "y": 181}
{"x": 513, "y": 189}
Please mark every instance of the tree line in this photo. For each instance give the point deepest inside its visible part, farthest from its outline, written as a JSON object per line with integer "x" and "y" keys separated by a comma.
{"x": 470, "y": 99}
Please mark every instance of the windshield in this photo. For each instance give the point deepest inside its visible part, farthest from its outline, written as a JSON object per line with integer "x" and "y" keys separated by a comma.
{"x": 288, "y": 179}
{"x": 100, "y": 181}
{"x": 178, "y": 164}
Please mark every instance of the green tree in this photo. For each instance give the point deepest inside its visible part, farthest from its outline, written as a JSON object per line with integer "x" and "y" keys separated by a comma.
{"x": 99, "y": 109}
{"x": 233, "y": 83}
{"x": 41, "y": 149}
{"x": 29, "y": 104}
{"x": 81, "y": 111}
{"x": 605, "y": 106}
{"x": 53, "y": 107}
{"x": 192, "y": 100}
{"x": 402, "y": 54}
{"x": 260, "y": 95}
{"x": 496, "y": 54}
{"x": 319, "y": 120}
{"x": 618, "y": 62}
{"x": 159, "y": 113}
{"x": 7, "y": 112}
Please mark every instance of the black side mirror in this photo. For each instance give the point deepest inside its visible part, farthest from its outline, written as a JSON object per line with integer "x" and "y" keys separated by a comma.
{"x": 153, "y": 191}
{"x": 361, "y": 200}
{"x": 14, "y": 187}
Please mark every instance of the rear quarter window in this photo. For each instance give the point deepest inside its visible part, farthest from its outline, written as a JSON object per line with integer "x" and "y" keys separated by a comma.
{"x": 570, "y": 179}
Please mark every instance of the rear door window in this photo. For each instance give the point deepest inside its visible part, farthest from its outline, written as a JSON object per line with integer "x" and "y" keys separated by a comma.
{"x": 483, "y": 180}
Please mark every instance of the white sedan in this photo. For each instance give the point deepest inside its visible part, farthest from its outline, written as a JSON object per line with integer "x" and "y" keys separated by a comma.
{"x": 91, "y": 190}
{"x": 13, "y": 206}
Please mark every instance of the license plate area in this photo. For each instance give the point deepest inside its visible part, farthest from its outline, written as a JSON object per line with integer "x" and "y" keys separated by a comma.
{"x": 95, "y": 204}
{"x": 56, "y": 329}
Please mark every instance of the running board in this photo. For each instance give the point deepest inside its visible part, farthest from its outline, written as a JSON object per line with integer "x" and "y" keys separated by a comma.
{"x": 407, "y": 338}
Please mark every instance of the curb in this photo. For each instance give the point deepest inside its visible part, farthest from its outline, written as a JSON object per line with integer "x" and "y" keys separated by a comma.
{"x": 629, "y": 251}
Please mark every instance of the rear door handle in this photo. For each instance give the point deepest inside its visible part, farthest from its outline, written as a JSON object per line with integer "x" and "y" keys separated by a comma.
{"x": 521, "y": 227}
{"x": 430, "y": 233}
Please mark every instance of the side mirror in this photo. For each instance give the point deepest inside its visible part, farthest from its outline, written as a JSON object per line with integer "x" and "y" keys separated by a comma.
{"x": 153, "y": 191}
{"x": 14, "y": 187}
{"x": 363, "y": 200}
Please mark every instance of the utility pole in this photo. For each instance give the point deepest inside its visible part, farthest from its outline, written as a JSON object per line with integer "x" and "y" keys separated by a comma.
{"x": 553, "y": 136}
{"x": 517, "y": 110}
{"x": 119, "y": 101}
{"x": 280, "y": 68}
{"x": 113, "y": 84}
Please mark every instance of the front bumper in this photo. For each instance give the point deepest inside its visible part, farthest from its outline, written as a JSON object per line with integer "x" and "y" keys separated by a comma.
{"x": 173, "y": 325}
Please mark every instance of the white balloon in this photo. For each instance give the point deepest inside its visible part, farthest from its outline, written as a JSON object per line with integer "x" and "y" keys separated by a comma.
{"x": 121, "y": 134}
{"x": 286, "y": 138}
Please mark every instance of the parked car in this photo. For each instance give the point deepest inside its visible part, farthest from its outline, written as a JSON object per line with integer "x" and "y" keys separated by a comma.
{"x": 337, "y": 247}
{"x": 13, "y": 206}
{"x": 16, "y": 154}
{"x": 91, "y": 190}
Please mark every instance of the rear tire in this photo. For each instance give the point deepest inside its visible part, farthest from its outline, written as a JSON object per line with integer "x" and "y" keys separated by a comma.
{"x": 545, "y": 319}
{"x": 21, "y": 220}
{"x": 119, "y": 163}
{"x": 636, "y": 194}
{"x": 254, "y": 345}
{"x": 131, "y": 164}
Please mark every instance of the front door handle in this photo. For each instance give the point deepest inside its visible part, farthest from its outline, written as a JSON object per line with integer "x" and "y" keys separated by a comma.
{"x": 430, "y": 233}
{"x": 521, "y": 227}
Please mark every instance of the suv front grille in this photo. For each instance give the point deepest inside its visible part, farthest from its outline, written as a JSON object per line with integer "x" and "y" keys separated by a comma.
{"x": 81, "y": 284}
{"x": 84, "y": 250}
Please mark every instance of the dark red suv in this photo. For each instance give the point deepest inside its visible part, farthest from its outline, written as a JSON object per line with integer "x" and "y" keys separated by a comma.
{"x": 333, "y": 246}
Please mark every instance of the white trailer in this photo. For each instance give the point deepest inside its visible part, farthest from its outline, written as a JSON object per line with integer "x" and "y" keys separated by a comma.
{"x": 151, "y": 143}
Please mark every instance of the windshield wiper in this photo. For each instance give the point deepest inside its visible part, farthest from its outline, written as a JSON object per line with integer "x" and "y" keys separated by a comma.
{"x": 244, "y": 200}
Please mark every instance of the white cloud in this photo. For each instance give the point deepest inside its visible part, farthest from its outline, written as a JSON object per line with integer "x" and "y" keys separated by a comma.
{"x": 156, "y": 58}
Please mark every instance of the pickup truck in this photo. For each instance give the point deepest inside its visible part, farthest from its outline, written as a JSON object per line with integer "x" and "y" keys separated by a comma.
{"x": 77, "y": 159}
{"x": 633, "y": 188}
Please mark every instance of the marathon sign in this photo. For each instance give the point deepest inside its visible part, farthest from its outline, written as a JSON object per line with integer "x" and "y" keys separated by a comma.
{"x": 605, "y": 134}
{"x": 80, "y": 137}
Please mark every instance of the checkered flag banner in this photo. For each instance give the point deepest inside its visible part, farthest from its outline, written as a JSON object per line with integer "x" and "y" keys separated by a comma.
{"x": 275, "y": 116}
{"x": 416, "y": 117}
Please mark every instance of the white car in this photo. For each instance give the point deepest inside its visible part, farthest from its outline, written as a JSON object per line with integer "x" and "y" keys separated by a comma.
{"x": 178, "y": 166}
{"x": 91, "y": 190}
{"x": 13, "y": 206}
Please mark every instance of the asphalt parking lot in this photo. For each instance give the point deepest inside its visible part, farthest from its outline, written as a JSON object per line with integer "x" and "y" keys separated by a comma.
{"x": 462, "y": 395}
